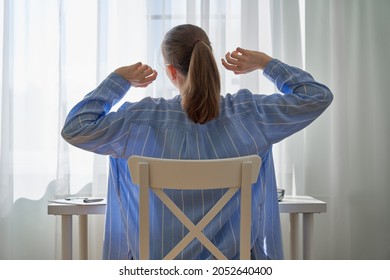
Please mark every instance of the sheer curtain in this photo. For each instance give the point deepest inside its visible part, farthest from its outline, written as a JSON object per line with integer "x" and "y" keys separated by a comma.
{"x": 54, "y": 52}
{"x": 343, "y": 158}
{"x": 347, "y": 155}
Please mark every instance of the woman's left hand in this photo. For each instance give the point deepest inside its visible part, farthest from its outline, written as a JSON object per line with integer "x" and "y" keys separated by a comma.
{"x": 138, "y": 74}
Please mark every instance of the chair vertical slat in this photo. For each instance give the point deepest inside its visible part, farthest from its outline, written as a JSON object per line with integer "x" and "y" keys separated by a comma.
{"x": 245, "y": 220}
{"x": 144, "y": 210}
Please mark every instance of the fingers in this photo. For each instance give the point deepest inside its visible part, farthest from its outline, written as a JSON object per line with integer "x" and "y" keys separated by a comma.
{"x": 241, "y": 50}
{"x": 150, "y": 78}
{"x": 234, "y": 61}
{"x": 140, "y": 71}
{"x": 141, "y": 75}
{"x": 242, "y": 61}
{"x": 236, "y": 55}
{"x": 145, "y": 78}
{"x": 229, "y": 63}
{"x": 138, "y": 74}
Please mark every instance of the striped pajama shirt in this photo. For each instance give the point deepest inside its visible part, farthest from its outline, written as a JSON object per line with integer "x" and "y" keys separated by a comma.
{"x": 155, "y": 127}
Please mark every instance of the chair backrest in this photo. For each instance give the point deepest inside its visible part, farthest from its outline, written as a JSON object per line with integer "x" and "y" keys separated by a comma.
{"x": 231, "y": 173}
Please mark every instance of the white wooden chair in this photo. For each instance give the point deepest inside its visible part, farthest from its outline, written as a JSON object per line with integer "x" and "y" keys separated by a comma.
{"x": 231, "y": 173}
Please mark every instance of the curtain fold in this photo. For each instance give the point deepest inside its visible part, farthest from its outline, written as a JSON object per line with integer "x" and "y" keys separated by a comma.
{"x": 286, "y": 46}
{"x": 63, "y": 171}
{"x": 6, "y": 118}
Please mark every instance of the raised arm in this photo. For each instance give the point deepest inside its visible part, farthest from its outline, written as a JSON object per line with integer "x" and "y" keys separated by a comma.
{"x": 280, "y": 115}
{"x": 89, "y": 124}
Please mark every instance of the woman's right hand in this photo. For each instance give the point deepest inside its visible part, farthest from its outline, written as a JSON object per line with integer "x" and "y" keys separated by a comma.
{"x": 242, "y": 61}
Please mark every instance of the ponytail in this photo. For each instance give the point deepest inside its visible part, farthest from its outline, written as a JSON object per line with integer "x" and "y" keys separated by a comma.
{"x": 188, "y": 48}
{"x": 202, "y": 88}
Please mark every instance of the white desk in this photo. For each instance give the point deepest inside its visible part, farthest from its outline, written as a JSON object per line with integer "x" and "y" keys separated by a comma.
{"x": 307, "y": 206}
{"x": 67, "y": 211}
{"x": 294, "y": 205}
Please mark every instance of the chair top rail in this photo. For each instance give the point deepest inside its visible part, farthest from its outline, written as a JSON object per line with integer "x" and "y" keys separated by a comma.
{"x": 205, "y": 174}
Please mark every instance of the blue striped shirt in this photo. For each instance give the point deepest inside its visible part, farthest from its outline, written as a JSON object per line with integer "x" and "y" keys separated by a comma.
{"x": 155, "y": 127}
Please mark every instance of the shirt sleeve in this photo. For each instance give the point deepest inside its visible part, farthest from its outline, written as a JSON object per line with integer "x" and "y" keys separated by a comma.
{"x": 89, "y": 124}
{"x": 303, "y": 100}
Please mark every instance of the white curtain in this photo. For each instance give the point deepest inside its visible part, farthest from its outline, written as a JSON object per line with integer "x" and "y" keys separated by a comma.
{"x": 54, "y": 52}
{"x": 343, "y": 158}
{"x": 347, "y": 155}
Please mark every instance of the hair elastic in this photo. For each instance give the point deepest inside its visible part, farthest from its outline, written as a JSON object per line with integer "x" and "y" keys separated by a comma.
{"x": 197, "y": 41}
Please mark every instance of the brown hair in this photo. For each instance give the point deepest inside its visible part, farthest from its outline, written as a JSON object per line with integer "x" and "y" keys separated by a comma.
{"x": 188, "y": 49}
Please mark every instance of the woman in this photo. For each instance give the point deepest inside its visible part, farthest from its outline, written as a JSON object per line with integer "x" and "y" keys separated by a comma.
{"x": 197, "y": 124}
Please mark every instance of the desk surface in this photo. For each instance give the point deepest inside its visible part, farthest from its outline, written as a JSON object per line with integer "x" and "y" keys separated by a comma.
{"x": 301, "y": 204}
{"x": 73, "y": 209}
{"x": 290, "y": 204}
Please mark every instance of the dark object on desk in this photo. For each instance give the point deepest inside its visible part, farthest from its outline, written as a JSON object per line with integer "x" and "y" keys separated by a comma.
{"x": 280, "y": 194}
{"x": 92, "y": 200}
